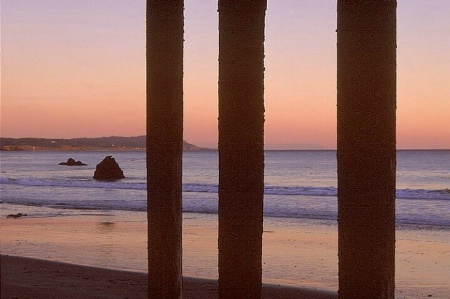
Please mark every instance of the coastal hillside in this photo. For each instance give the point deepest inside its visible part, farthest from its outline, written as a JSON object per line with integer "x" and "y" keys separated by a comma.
{"x": 102, "y": 143}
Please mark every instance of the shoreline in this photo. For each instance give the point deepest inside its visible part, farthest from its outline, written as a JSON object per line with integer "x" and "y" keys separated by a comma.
{"x": 298, "y": 254}
{"x": 24, "y": 277}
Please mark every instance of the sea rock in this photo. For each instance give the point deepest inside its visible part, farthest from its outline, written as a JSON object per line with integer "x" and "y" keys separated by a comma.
{"x": 72, "y": 162}
{"x": 108, "y": 170}
{"x": 15, "y": 216}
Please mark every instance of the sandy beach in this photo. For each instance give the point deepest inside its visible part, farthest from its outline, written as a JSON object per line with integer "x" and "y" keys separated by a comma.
{"x": 103, "y": 255}
{"x": 33, "y": 278}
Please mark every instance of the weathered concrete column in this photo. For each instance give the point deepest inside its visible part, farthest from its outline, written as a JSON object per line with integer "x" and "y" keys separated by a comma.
{"x": 241, "y": 147}
{"x": 366, "y": 147}
{"x": 164, "y": 146}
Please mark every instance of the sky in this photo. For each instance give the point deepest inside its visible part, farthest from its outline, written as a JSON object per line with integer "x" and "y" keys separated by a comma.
{"x": 74, "y": 69}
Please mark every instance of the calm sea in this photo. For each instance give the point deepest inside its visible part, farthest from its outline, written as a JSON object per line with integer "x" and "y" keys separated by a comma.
{"x": 299, "y": 184}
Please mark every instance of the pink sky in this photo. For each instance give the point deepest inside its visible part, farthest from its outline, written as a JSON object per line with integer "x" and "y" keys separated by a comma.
{"x": 77, "y": 69}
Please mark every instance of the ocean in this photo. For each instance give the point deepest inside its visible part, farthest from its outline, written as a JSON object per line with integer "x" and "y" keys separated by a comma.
{"x": 298, "y": 184}
{"x": 73, "y": 218}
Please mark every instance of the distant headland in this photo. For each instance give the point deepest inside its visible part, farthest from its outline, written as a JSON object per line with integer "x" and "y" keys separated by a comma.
{"x": 115, "y": 143}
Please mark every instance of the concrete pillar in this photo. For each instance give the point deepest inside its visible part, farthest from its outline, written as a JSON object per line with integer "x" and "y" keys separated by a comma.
{"x": 165, "y": 23}
{"x": 241, "y": 147}
{"x": 366, "y": 147}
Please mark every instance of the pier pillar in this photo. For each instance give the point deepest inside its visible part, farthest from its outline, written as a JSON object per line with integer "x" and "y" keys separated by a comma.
{"x": 241, "y": 147}
{"x": 366, "y": 147}
{"x": 165, "y": 21}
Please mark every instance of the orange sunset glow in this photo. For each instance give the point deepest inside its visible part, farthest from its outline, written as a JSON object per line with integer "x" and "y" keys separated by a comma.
{"x": 77, "y": 69}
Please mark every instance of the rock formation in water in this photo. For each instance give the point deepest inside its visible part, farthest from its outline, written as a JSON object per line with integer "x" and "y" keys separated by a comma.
{"x": 108, "y": 170}
{"x": 72, "y": 162}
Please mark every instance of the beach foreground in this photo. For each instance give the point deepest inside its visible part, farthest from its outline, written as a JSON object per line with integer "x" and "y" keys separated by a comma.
{"x": 95, "y": 254}
{"x": 34, "y": 278}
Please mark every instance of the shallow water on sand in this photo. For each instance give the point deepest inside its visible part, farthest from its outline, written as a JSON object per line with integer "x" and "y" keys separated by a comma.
{"x": 296, "y": 252}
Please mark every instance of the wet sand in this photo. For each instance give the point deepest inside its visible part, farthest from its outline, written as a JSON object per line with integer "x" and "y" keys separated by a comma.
{"x": 33, "y": 278}
{"x": 297, "y": 256}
